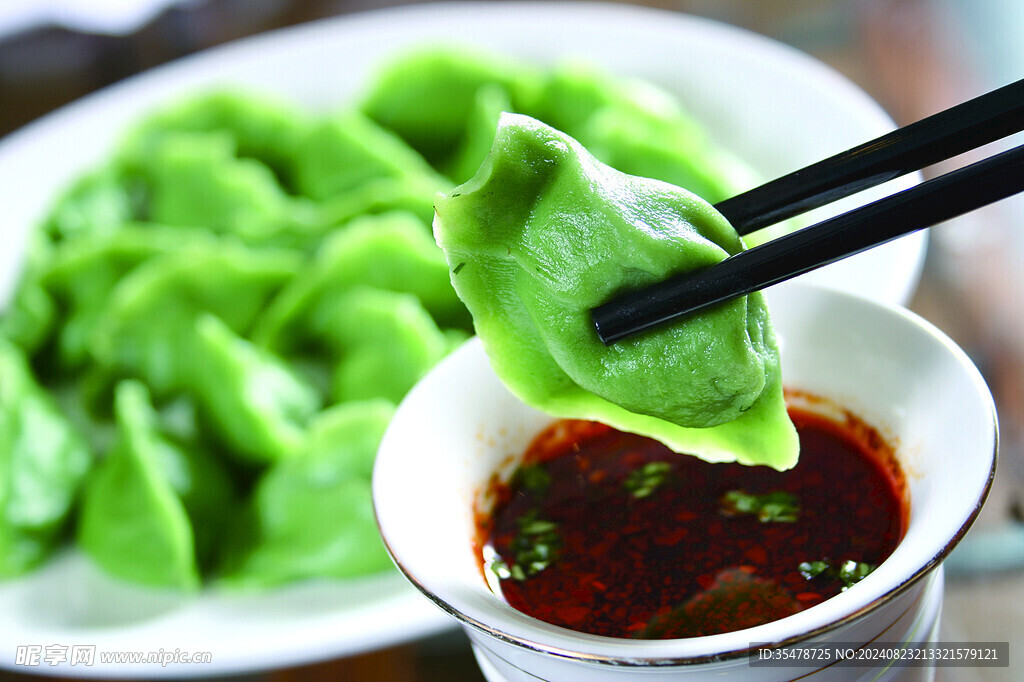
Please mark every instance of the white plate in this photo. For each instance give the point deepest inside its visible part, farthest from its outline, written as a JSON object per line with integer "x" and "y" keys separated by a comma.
{"x": 773, "y": 106}
{"x": 70, "y": 603}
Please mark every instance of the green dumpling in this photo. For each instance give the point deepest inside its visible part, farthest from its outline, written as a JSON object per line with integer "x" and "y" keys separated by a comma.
{"x": 198, "y": 179}
{"x": 667, "y": 146}
{"x": 31, "y": 313}
{"x": 349, "y": 149}
{"x": 152, "y": 511}
{"x": 82, "y": 273}
{"x": 491, "y": 101}
{"x": 146, "y": 328}
{"x": 311, "y": 516}
{"x": 392, "y": 251}
{"x": 43, "y": 462}
{"x": 638, "y": 129}
{"x": 385, "y": 341}
{"x": 262, "y": 126}
{"x": 544, "y": 233}
{"x": 427, "y": 96}
{"x": 254, "y": 401}
{"x": 96, "y": 204}
{"x": 573, "y": 92}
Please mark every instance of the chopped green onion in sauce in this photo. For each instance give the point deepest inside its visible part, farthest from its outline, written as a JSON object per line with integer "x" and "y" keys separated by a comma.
{"x": 777, "y": 506}
{"x": 534, "y": 547}
{"x": 644, "y": 481}
{"x": 849, "y": 572}
{"x": 533, "y": 478}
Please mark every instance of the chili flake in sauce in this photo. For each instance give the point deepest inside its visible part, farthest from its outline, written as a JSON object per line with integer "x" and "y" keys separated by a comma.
{"x": 613, "y": 534}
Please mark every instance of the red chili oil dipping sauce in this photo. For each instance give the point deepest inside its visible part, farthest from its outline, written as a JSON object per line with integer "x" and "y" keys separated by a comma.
{"x": 613, "y": 534}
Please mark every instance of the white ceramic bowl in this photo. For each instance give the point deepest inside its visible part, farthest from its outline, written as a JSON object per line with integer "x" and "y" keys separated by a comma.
{"x": 772, "y": 106}
{"x": 460, "y": 425}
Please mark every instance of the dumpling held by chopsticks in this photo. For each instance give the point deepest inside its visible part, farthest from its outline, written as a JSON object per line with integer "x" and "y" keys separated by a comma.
{"x": 544, "y": 233}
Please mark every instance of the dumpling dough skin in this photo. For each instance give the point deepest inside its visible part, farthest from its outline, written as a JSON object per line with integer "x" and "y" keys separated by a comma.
{"x": 543, "y": 233}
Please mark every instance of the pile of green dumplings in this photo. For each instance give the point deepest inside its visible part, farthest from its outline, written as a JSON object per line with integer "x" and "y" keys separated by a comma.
{"x": 212, "y": 329}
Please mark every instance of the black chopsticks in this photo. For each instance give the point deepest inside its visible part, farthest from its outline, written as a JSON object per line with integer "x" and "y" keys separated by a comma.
{"x": 942, "y": 136}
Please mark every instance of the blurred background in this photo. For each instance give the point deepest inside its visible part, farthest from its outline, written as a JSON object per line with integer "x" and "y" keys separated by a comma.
{"x": 914, "y": 56}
